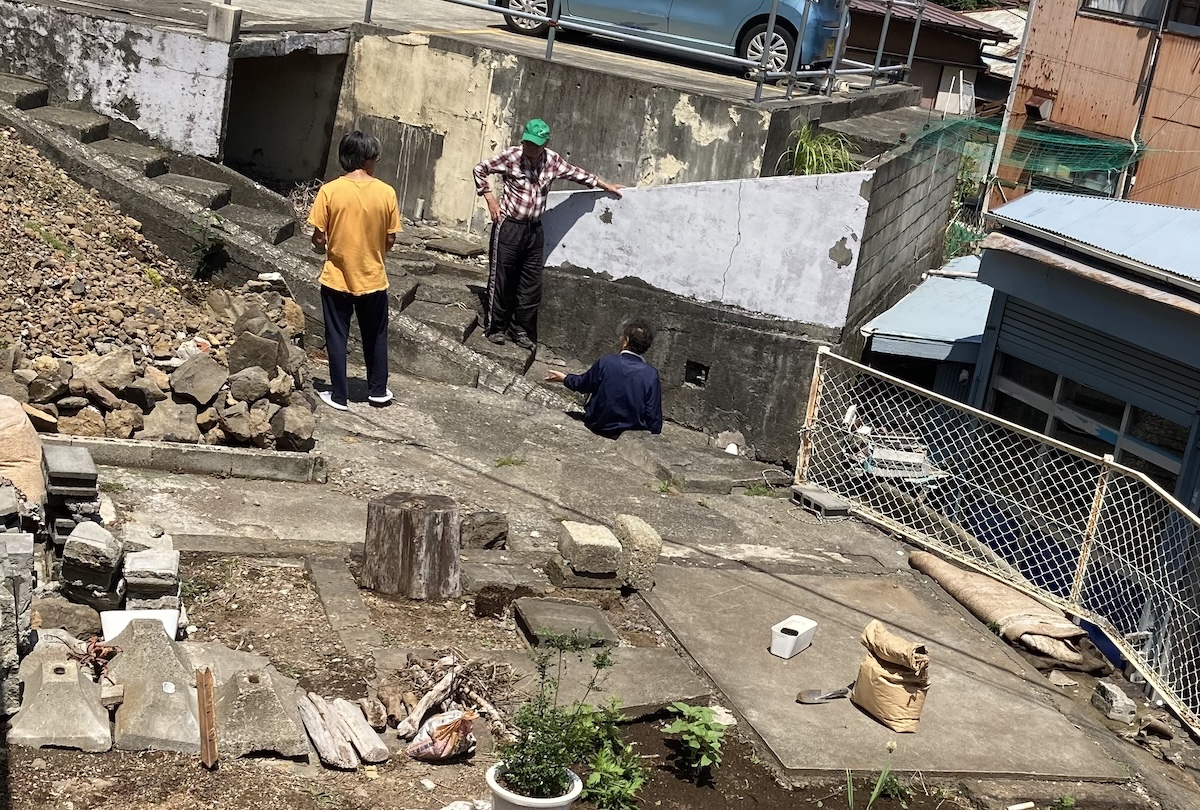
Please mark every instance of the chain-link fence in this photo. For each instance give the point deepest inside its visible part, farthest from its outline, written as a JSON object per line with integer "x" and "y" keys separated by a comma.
{"x": 1078, "y": 531}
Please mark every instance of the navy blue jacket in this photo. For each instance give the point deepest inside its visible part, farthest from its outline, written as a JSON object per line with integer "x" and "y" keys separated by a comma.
{"x": 625, "y": 394}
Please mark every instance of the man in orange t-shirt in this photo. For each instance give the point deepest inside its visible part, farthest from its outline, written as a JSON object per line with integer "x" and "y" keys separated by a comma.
{"x": 355, "y": 218}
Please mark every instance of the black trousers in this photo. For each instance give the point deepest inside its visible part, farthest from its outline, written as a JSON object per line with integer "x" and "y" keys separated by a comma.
{"x": 372, "y": 312}
{"x": 516, "y": 257}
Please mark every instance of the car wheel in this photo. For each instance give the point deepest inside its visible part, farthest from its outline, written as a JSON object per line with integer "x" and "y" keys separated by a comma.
{"x": 783, "y": 45}
{"x": 521, "y": 25}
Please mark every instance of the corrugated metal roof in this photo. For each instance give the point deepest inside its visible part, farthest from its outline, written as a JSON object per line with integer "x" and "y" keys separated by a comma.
{"x": 1159, "y": 237}
{"x": 1001, "y": 58}
{"x": 935, "y": 16}
{"x": 942, "y": 319}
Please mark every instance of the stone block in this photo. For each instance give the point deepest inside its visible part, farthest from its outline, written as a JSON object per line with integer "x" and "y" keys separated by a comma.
{"x": 1115, "y": 704}
{"x": 69, "y": 465}
{"x": 641, "y": 546}
{"x": 167, "y": 602}
{"x": 254, "y": 351}
{"x": 540, "y": 619}
{"x": 62, "y": 710}
{"x": 19, "y": 547}
{"x": 451, "y": 321}
{"x": 257, "y": 713}
{"x": 224, "y": 23}
{"x": 53, "y": 610}
{"x": 484, "y": 530}
{"x": 293, "y": 428}
{"x": 98, "y": 597}
{"x": 588, "y": 548}
{"x": 563, "y": 576}
{"x": 275, "y": 228}
{"x": 495, "y": 587}
{"x": 85, "y": 127}
{"x": 145, "y": 160}
{"x": 91, "y": 547}
{"x": 456, "y": 246}
{"x": 159, "y": 711}
{"x": 144, "y": 393}
{"x": 8, "y": 503}
{"x": 206, "y": 193}
{"x": 171, "y": 422}
{"x": 152, "y": 573}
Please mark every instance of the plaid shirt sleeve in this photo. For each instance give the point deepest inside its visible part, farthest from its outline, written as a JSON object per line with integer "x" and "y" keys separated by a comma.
{"x": 564, "y": 170}
{"x": 493, "y": 165}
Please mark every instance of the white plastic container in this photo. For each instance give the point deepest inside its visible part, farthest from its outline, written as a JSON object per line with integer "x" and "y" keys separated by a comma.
{"x": 792, "y": 635}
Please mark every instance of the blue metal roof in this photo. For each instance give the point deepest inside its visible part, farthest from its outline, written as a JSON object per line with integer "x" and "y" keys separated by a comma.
{"x": 1160, "y": 237}
{"x": 942, "y": 319}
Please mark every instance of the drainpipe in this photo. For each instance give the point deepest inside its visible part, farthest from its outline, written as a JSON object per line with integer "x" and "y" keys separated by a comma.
{"x": 1008, "y": 107}
{"x": 1125, "y": 183}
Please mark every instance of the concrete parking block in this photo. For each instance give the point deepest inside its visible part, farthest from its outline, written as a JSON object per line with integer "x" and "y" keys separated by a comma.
{"x": 62, "y": 709}
{"x": 589, "y": 549}
{"x": 256, "y": 713}
{"x": 160, "y": 711}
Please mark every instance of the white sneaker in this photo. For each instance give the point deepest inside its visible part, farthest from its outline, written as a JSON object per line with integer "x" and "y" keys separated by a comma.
{"x": 327, "y": 398}
{"x": 383, "y": 400}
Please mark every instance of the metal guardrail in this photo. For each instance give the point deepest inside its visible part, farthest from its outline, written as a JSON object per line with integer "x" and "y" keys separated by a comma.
{"x": 760, "y": 68}
{"x": 1092, "y": 537}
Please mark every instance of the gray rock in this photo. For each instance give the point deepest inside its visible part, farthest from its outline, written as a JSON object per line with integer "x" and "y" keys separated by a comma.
{"x": 589, "y": 549}
{"x": 226, "y": 307}
{"x": 159, "y": 711}
{"x": 11, "y": 386}
{"x": 48, "y": 386}
{"x": 9, "y": 505}
{"x": 11, "y": 357}
{"x": 56, "y": 611}
{"x": 251, "y": 350}
{"x": 167, "y": 602}
{"x": 542, "y": 618}
{"x": 301, "y": 399}
{"x": 293, "y": 428}
{"x": 62, "y": 710}
{"x": 199, "y": 379}
{"x": 145, "y": 393}
{"x": 94, "y": 392}
{"x": 235, "y": 421}
{"x": 640, "y": 547}
{"x": 250, "y": 384}
{"x": 115, "y": 370}
{"x": 484, "y": 530}
{"x": 97, "y": 597}
{"x": 257, "y": 713}
{"x": 1115, "y": 704}
{"x": 171, "y": 422}
{"x": 152, "y": 573}
{"x": 297, "y": 364}
{"x": 728, "y": 437}
{"x": 261, "y": 414}
{"x": 72, "y": 403}
{"x": 252, "y": 319}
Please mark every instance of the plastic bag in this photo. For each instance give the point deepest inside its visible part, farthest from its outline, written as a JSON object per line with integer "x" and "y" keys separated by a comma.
{"x": 444, "y": 736}
{"x": 892, "y": 680}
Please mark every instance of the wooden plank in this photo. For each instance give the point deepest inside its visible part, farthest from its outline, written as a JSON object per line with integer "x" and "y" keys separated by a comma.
{"x": 364, "y": 739}
{"x": 333, "y": 747}
{"x": 412, "y": 546}
{"x": 209, "y": 756}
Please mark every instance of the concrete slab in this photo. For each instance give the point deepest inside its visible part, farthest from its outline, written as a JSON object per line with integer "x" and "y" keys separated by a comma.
{"x": 982, "y": 716}
{"x": 84, "y": 127}
{"x": 344, "y": 607}
{"x": 454, "y": 322}
{"x": 542, "y": 618}
{"x": 563, "y": 576}
{"x": 22, "y": 93}
{"x": 160, "y": 711}
{"x": 145, "y": 160}
{"x": 152, "y": 573}
{"x": 256, "y": 713}
{"x": 68, "y": 465}
{"x": 205, "y": 192}
{"x": 62, "y": 709}
{"x": 644, "y": 680}
{"x": 457, "y": 246}
{"x": 696, "y": 469}
{"x": 268, "y": 225}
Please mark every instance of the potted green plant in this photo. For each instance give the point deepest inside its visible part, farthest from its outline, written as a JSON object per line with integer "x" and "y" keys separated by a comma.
{"x": 535, "y": 769}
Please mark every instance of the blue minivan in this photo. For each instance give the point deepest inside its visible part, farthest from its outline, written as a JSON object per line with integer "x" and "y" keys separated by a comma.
{"x": 729, "y": 27}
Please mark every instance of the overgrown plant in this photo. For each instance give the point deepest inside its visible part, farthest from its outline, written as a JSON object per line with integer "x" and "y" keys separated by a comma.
{"x": 552, "y": 738}
{"x": 617, "y": 774}
{"x": 888, "y": 785}
{"x": 1063, "y": 803}
{"x": 813, "y": 152}
{"x": 701, "y": 736}
{"x": 208, "y": 243}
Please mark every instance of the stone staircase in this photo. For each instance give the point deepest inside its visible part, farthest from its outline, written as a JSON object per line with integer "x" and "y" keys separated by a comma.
{"x": 436, "y": 277}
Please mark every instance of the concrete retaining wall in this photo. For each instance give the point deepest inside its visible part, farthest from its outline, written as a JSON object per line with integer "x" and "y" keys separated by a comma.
{"x": 782, "y": 246}
{"x": 169, "y": 84}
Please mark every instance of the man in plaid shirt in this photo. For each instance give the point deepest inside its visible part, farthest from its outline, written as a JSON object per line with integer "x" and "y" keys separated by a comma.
{"x": 516, "y": 254}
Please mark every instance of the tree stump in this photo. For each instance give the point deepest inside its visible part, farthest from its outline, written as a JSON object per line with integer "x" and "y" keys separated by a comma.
{"x": 412, "y": 546}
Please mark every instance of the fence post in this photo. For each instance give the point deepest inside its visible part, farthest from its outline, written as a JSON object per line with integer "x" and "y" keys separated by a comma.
{"x": 554, "y": 12}
{"x": 810, "y": 417}
{"x": 367, "y": 11}
{"x": 1089, "y": 536}
{"x": 768, "y": 41}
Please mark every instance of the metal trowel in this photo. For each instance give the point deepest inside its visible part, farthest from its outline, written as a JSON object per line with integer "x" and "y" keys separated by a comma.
{"x": 822, "y": 695}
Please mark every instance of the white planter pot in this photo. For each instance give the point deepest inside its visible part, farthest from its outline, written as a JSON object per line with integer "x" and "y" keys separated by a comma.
{"x": 505, "y": 799}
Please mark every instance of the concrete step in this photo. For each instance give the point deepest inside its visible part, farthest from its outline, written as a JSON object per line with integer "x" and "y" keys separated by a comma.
{"x": 23, "y": 93}
{"x": 86, "y": 127}
{"x": 275, "y": 228}
{"x": 454, "y": 322}
{"x": 142, "y": 159}
{"x": 447, "y": 290}
{"x": 205, "y": 192}
{"x": 457, "y": 246}
{"x": 301, "y": 247}
{"x": 510, "y": 355}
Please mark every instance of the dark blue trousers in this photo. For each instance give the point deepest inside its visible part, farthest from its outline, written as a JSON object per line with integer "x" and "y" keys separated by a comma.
{"x": 372, "y": 312}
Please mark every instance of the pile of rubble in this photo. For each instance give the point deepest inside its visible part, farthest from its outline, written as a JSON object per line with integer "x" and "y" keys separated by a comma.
{"x": 254, "y": 390}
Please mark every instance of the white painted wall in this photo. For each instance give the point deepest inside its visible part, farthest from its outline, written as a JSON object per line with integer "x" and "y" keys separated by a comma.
{"x": 782, "y": 246}
{"x": 168, "y": 83}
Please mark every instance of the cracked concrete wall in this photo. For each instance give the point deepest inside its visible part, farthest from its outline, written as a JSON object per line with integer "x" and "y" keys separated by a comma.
{"x": 169, "y": 84}
{"x": 444, "y": 105}
{"x": 781, "y": 246}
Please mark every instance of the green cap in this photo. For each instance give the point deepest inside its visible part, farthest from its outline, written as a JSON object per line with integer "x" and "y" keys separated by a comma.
{"x": 537, "y": 132}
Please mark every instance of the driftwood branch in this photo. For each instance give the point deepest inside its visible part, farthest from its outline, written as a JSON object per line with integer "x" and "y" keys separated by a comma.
{"x": 364, "y": 739}
{"x": 409, "y": 727}
{"x": 333, "y": 746}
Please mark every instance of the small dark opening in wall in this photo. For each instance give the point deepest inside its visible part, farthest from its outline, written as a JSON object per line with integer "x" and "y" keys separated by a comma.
{"x": 695, "y": 374}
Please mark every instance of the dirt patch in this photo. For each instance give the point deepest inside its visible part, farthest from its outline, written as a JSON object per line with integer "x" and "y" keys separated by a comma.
{"x": 270, "y": 607}
{"x": 438, "y": 625}
{"x": 743, "y": 780}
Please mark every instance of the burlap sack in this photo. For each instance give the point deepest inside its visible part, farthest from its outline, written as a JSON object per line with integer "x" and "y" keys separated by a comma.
{"x": 21, "y": 451}
{"x": 892, "y": 679}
